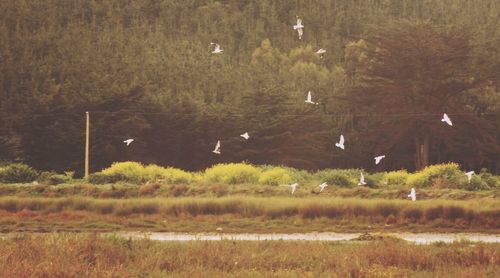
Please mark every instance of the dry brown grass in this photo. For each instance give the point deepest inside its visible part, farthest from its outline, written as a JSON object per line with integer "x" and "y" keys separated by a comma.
{"x": 90, "y": 255}
{"x": 285, "y": 212}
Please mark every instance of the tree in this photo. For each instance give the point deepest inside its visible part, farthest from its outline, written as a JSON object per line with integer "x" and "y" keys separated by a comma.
{"x": 404, "y": 76}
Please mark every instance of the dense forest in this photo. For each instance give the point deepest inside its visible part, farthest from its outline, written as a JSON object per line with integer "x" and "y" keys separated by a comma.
{"x": 144, "y": 69}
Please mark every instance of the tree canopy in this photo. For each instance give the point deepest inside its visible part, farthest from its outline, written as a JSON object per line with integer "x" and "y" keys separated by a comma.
{"x": 144, "y": 69}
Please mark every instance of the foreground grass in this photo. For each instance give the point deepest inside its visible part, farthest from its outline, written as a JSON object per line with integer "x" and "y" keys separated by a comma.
{"x": 90, "y": 255}
{"x": 247, "y": 214}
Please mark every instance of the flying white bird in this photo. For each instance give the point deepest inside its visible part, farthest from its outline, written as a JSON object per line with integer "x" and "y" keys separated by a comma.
{"x": 446, "y": 119}
{"x": 340, "y": 144}
{"x": 469, "y": 175}
{"x": 217, "y": 49}
{"x": 322, "y": 186}
{"x": 309, "y": 98}
{"x": 362, "y": 179}
{"x": 245, "y": 135}
{"x": 299, "y": 27}
{"x": 128, "y": 141}
{"x": 413, "y": 194}
{"x": 320, "y": 52}
{"x": 217, "y": 148}
{"x": 378, "y": 158}
{"x": 294, "y": 187}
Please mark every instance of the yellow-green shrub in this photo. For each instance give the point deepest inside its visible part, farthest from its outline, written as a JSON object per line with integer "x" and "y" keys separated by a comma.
{"x": 136, "y": 172}
{"x": 442, "y": 175}
{"x": 275, "y": 176}
{"x": 153, "y": 172}
{"x": 339, "y": 177}
{"x": 395, "y": 178}
{"x": 176, "y": 176}
{"x": 130, "y": 171}
{"x": 232, "y": 173}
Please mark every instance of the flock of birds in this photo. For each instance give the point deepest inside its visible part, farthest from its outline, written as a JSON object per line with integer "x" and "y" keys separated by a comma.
{"x": 299, "y": 26}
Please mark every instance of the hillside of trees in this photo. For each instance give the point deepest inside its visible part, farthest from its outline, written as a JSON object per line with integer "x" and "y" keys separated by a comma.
{"x": 144, "y": 70}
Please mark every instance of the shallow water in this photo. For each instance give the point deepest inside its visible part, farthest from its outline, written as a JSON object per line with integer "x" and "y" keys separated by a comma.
{"x": 420, "y": 238}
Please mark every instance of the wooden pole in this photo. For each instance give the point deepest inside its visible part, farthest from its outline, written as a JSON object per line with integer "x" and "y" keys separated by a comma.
{"x": 87, "y": 144}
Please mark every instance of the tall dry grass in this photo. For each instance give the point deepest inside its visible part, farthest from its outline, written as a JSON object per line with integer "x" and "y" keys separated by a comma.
{"x": 90, "y": 255}
{"x": 483, "y": 213}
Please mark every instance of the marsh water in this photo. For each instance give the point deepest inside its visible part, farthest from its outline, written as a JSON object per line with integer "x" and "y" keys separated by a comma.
{"x": 418, "y": 238}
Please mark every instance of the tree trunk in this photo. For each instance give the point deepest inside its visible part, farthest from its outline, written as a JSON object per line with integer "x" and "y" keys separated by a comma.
{"x": 422, "y": 152}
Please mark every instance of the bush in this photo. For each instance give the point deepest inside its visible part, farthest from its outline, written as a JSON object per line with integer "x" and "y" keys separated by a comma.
{"x": 395, "y": 178}
{"x": 476, "y": 183}
{"x": 17, "y": 173}
{"x": 53, "y": 178}
{"x": 374, "y": 180}
{"x": 100, "y": 178}
{"x": 151, "y": 172}
{"x": 440, "y": 175}
{"x": 44, "y": 176}
{"x": 232, "y": 173}
{"x": 490, "y": 180}
{"x": 275, "y": 176}
{"x": 135, "y": 172}
{"x": 177, "y": 176}
{"x": 130, "y": 171}
{"x": 339, "y": 177}
{"x": 58, "y": 179}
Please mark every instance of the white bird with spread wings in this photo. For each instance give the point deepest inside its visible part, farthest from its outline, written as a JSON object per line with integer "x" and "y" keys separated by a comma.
{"x": 362, "y": 179}
{"x": 446, "y": 119}
{"x": 340, "y": 144}
{"x": 309, "y": 98}
{"x": 299, "y": 27}
{"x": 469, "y": 175}
{"x": 378, "y": 158}
{"x": 413, "y": 195}
{"x": 128, "y": 141}
{"x": 322, "y": 186}
{"x": 217, "y": 49}
{"x": 245, "y": 135}
{"x": 217, "y": 148}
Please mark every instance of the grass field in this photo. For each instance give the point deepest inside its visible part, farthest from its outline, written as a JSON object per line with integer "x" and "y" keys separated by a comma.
{"x": 127, "y": 190}
{"x": 90, "y": 255}
{"x": 246, "y": 214}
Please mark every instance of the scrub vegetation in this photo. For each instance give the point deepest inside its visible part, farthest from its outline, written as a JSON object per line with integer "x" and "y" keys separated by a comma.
{"x": 91, "y": 255}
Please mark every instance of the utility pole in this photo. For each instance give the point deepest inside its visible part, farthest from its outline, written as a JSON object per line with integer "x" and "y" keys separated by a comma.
{"x": 87, "y": 144}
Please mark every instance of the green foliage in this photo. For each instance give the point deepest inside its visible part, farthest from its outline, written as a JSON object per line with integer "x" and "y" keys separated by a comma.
{"x": 177, "y": 176}
{"x": 475, "y": 184}
{"x": 52, "y": 178}
{"x": 232, "y": 173}
{"x": 491, "y": 180}
{"x": 374, "y": 180}
{"x": 135, "y": 172}
{"x": 276, "y": 176}
{"x": 130, "y": 171}
{"x": 17, "y": 173}
{"x": 179, "y": 88}
{"x": 395, "y": 178}
{"x": 446, "y": 175}
{"x": 339, "y": 177}
{"x": 100, "y": 178}
{"x": 221, "y": 175}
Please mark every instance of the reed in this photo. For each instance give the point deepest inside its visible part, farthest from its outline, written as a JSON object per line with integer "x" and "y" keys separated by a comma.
{"x": 91, "y": 255}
